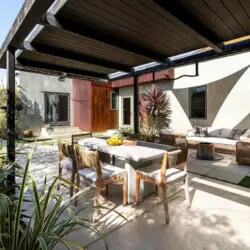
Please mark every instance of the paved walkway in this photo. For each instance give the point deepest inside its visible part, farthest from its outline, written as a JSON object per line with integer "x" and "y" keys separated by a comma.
{"x": 219, "y": 217}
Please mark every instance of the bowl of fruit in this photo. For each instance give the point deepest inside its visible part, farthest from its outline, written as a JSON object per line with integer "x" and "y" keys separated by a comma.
{"x": 114, "y": 141}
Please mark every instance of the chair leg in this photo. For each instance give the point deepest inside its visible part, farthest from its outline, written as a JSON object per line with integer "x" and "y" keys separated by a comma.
{"x": 59, "y": 175}
{"x": 165, "y": 201}
{"x": 113, "y": 160}
{"x": 78, "y": 186}
{"x": 73, "y": 182}
{"x": 106, "y": 190}
{"x": 187, "y": 191}
{"x": 96, "y": 203}
{"x": 137, "y": 195}
{"x": 124, "y": 189}
{"x": 156, "y": 190}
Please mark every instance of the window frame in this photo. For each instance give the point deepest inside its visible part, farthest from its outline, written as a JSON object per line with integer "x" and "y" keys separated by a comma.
{"x": 190, "y": 103}
{"x": 117, "y": 101}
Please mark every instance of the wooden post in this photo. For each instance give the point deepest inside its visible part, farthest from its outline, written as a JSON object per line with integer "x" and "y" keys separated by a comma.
{"x": 10, "y": 59}
{"x": 136, "y": 103}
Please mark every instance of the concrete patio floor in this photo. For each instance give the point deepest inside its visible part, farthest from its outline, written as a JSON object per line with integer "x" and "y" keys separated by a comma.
{"x": 219, "y": 217}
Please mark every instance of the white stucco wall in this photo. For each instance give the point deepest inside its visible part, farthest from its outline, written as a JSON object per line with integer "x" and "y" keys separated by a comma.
{"x": 32, "y": 88}
{"x": 228, "y": 93}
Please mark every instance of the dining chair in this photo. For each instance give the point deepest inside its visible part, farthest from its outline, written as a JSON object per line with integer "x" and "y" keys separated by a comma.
{"x": 67, "y": 162}
{"x": 98, "y": 174}
{"x": 76, "y": 137}
{"x": 162, "y": 177}
{"x": 166, "y": 139}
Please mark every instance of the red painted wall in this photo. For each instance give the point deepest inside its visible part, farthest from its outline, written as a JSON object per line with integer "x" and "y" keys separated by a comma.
{"x": 81, "y": 98}
{"x": 144, "y": 79}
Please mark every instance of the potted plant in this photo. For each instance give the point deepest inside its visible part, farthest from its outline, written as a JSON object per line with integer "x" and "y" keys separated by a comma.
{"x": 124, "y": 132}
{"x": 28, "y": 133}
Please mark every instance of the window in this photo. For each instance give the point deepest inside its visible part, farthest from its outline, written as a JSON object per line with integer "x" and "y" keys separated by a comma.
{"x": 198, "y": 102}
{"x": 114, "y": 101}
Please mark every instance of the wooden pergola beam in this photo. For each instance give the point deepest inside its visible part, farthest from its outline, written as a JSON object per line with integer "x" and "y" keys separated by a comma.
{"x": 23, "y": 63}
{"x": 191, "y": 23}
{"x": 47, "y": 50}
{"x": 69, "y": 26}
{"x": 29, "y": 15}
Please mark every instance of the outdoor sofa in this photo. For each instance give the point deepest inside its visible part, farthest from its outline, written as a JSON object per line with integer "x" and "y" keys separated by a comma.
{"x": 232, "y": 141}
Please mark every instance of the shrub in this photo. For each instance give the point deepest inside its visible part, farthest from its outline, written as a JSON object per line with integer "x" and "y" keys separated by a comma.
{"x": 156, "y": 104}
{"x": 50, "y": 222}
{"x": 3, "y": 118}
{"x": 125, "y": 131}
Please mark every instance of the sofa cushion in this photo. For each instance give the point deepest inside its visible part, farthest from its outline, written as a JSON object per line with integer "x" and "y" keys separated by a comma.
{"x": 214, "y": 132}
{"x": 215, "y": 140}
{"x": 225, "y": 132}
{"x": 190, "y": 133}
{"x": 236, "y": 134}
{"x": 66, "y": 163}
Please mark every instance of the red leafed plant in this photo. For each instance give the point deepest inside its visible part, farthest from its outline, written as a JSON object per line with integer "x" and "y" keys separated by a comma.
{"x": 156, "y": 103}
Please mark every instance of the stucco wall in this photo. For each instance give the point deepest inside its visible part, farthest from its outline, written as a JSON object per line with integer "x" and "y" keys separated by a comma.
{"x": 32, "y": 88}
{"x": 228, "y": 93}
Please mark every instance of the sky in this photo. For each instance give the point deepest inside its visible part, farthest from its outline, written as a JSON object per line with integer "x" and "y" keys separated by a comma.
{"x": 8, "y": 12}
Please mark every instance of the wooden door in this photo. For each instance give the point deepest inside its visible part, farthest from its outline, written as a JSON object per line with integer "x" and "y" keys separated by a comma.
{"x": 103, "y": 118}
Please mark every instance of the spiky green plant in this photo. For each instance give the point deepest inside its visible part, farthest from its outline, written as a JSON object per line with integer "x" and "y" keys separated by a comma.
{"x": 124, "y": 131}
{"x": 50, "y": 222}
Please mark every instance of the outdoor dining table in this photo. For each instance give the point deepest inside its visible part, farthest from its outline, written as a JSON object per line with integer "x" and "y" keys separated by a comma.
{"x": 134, "y": 157}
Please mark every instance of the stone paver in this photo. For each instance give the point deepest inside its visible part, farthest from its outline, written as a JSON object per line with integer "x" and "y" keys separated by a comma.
{"x": 226, "y": 169}
{"x": 226, "y": 175}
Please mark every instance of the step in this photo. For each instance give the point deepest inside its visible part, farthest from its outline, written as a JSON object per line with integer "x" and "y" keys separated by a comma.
{"x": 111, "y": 132}
{"x": 60, "y": 131}
{"x": 58, "y": 137}
{"x": 64, "y": 132}
{"x": 64, "y": 128}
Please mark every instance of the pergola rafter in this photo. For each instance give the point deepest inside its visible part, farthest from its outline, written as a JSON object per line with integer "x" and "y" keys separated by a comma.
{"x": 192, "y": 23}
{"x": 70, "y": 26}
{"x": 47, "y": 50}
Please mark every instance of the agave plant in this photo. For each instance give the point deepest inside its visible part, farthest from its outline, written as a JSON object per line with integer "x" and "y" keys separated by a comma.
{"x": 156, "y": 103}
{"x": 124, "y": 131}
{"x": 50, "y": 222}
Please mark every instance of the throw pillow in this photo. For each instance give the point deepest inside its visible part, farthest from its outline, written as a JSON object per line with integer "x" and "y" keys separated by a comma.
{"x": 238, "y": 133}
{"x": 197, "y": 131}
{"x": 214, "y": 132}
{"x": 200, "y": 131}
{"x": 231, "y": 136}
{"x": 204, "y": 132}
{"x": 225, "y": 132}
